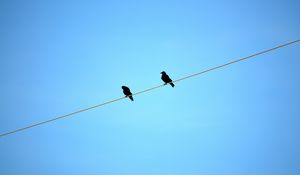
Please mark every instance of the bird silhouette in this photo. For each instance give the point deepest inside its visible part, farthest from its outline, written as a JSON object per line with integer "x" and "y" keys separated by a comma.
{"x": 165, "y": 77}
{"x": 127, "y": 92}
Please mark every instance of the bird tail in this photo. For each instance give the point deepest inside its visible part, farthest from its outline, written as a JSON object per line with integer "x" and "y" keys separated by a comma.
{"x": 172, "y": 84}
{"x": 131, "y": 98}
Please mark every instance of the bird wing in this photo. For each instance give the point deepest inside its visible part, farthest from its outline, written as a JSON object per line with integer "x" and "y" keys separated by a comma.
{"x": 167, "y": 79}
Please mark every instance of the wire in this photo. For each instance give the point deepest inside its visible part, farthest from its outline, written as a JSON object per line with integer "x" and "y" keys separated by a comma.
{"x": 146, "y": 90}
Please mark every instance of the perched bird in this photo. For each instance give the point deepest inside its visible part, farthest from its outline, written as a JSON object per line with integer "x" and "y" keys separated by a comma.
{"x": 165, "y": 77}
{"x": 127, "y": 92}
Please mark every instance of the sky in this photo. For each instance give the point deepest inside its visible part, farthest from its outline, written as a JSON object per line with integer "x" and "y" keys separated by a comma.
{"x": 57, "y": 57}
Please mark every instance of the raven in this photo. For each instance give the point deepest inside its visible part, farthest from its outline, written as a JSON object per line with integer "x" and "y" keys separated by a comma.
{"x": 127, "y": 92}
{"x": 165, "y": 77}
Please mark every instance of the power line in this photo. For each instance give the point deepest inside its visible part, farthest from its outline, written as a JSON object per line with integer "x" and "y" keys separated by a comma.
{"x": 149, "y": 89}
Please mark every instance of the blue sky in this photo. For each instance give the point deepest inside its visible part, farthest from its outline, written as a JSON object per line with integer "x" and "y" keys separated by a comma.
{"x": 60, "y": 56}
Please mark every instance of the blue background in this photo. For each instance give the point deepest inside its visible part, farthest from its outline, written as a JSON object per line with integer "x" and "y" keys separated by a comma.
{"x": 60, "y": 56}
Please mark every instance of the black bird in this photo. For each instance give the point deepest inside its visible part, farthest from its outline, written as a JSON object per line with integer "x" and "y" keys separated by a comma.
{"x": 127, "y": 92}
{"x": 165, "y": 77}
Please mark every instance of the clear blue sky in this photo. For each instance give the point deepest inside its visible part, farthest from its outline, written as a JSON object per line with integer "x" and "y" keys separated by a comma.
{"x": 60, "y": 56}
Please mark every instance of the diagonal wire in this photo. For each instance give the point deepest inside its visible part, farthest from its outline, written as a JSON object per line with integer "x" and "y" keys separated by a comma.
{"x": 149, "y": 89}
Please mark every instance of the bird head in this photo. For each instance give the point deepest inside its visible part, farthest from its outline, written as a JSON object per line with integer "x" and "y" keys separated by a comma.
{"x": 163, "y": 72}
{"x": 123, "y": 87}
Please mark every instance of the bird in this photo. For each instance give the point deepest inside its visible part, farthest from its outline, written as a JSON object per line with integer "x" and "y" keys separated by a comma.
{"x": 165, "y": 77}
{"x": 127, "y": 92}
